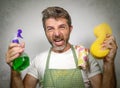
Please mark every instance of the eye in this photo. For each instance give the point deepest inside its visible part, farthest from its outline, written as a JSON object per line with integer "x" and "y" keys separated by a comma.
{"x": 49, "y": 28}
{"x": 62, "y": 26}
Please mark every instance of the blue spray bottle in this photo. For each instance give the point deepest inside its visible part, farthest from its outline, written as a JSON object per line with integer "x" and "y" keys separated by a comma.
{"x": 22, "y": 61}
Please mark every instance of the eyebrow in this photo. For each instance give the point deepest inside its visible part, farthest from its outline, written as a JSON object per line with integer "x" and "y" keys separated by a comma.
{"x": 62, "y": 25}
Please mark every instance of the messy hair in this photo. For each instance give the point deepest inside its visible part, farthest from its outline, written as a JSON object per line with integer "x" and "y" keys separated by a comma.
{"x": 55, "y": 12}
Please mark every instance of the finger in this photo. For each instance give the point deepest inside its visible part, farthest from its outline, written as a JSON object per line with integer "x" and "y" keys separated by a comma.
{"x": 10, "y": 59}
{"x": 14, "y": 51}
{"x": 14, "y": 57}
{"x": 108, "y": 35}
{"x": 114, "y": 40}
{"x": 110, "y": 44}
{"x": 16, "y": 48}
{"x": 22, "y": 44}
{"x": 16, "y": 45}
{"x": 13, "y": 45}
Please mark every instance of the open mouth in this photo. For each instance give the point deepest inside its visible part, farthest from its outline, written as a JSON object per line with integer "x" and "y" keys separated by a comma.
{"x": 58, "y": 42}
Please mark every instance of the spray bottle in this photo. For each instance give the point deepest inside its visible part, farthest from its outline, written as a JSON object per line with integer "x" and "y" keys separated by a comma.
{"x": 21, "y": 62}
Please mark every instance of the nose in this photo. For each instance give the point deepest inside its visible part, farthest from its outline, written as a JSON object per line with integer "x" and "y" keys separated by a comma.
{"x": 56, "y": 32}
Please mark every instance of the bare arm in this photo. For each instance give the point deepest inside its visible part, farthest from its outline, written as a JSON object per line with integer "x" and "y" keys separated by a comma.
{"x": 30, "y": 82}
{"x": 105, "y": 80}
{"x": 96, "y": 81}
{"x": 16, "y": 80}
{"x": 108, "y": 78}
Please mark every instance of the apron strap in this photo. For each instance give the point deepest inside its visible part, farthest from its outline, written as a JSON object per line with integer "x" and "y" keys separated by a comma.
{"x": 75, "y": 56}
{"x": 48, "y": 59}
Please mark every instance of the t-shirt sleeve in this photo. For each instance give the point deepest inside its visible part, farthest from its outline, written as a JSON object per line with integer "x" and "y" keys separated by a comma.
{"x": 94, "y": 67}
{"x": 32, "y": 70}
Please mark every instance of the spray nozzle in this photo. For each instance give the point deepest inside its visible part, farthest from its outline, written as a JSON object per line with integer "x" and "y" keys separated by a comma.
{"x": 19, "y": 33}
{"x": 16, "y": 39}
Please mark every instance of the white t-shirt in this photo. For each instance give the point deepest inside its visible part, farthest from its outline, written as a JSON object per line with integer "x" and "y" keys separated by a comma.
{"x": 62, "y": 61}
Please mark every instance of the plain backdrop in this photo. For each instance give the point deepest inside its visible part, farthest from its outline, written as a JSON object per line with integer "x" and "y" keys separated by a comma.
{"x": 26, "y": 14}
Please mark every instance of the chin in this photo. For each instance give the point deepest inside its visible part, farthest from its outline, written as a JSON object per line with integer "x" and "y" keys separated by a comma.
{"x": 59, "y": 48}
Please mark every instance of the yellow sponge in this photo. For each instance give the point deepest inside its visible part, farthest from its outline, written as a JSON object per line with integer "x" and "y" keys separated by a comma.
{"x": 100, "y": 32}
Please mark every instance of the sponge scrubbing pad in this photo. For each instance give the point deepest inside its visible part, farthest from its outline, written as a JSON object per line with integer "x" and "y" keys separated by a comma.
{"x": 100, "y": 32}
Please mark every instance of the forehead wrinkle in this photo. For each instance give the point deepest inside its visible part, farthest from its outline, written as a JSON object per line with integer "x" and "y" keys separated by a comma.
{"x": 55, "y": 22}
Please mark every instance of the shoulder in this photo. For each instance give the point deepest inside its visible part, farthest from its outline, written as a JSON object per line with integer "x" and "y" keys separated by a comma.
{"x": 40, "y": 58}
{"x": 80, "y": 48}
{"x": 42, "y": 55}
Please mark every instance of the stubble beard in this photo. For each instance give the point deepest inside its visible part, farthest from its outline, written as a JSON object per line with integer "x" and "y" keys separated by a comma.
{"x": 59, "y": 48}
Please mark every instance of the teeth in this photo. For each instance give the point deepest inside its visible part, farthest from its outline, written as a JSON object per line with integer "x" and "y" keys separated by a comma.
{"x": 57, "y": 40}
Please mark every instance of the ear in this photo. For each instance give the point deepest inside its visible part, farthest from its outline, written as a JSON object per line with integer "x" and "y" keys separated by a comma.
{"x": 71, "y": 27}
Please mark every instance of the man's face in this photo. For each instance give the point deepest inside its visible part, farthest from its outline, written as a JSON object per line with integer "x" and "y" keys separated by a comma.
{"x": 57, "y": 32}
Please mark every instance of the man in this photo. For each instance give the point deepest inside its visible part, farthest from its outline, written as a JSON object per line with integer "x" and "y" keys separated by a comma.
{"x": 57, "y": 67}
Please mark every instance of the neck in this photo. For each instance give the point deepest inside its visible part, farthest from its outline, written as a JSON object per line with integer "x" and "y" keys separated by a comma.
{"x": 68, "y": 46}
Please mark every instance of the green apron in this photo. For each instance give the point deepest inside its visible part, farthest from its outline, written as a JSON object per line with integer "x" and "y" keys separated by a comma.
{"x": 63, "y": 78}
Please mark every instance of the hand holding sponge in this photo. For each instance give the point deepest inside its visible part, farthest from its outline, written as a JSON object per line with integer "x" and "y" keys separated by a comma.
{"x": 96, "y": 48}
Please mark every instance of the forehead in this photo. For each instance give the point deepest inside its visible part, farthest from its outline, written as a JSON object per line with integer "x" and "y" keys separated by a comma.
{"x": 55, "y": 21}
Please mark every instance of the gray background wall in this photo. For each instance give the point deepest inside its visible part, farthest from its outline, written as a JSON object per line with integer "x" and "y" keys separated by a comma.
{"x": 26, "y": 14}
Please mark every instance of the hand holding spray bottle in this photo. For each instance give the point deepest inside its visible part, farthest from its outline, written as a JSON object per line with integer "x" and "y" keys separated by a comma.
{"x": 21, "y": 62}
